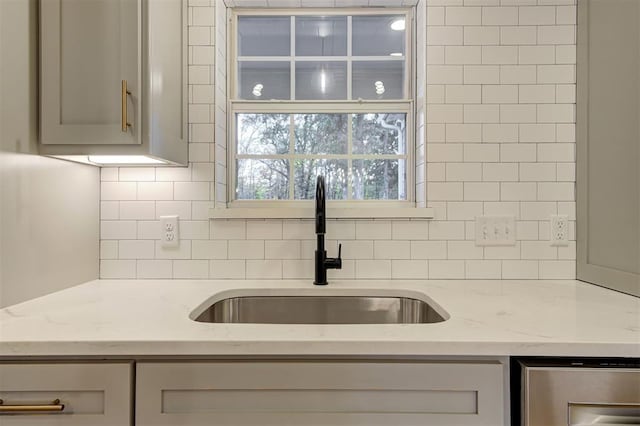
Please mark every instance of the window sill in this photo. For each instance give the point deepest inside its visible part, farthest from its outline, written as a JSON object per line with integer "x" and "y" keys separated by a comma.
{"x": 332, "y": 213}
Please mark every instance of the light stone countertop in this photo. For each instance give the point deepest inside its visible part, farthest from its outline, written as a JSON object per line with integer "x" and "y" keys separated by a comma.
{"x": 140, "y": 318}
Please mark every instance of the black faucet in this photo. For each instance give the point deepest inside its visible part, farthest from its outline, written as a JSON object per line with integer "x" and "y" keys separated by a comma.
{"x": 322, "y": 261}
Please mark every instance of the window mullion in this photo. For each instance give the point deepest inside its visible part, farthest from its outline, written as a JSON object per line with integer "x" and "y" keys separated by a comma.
{"x": 292, "y": 54}
{"x": 292, "y": 141}
{"x": 350, "y": 153}
{"x": 349, "y": 60}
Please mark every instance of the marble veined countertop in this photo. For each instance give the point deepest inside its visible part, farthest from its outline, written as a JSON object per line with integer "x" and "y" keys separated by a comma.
{"x": 138, "y": 318}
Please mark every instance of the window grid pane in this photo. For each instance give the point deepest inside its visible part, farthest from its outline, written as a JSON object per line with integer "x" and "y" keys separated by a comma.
{"x": 354, "y": 176}
{"x": 249, "y": 93}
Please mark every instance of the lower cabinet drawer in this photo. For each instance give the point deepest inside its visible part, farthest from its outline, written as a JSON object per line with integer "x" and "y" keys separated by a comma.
{"x": 319, "y": 393}
{"x": 92, "y": 394}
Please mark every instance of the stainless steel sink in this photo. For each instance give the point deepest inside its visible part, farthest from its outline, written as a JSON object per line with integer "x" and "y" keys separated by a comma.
{"x": 320, "y": 310}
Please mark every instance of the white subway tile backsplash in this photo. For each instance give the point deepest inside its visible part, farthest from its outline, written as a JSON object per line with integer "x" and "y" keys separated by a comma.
{"x": 264, "y": 230}
{"x": 487, "y": 191}
{"x": 499, "y": 172}
{"x": 118, "y": 191}
{"x": 520, "y": 35}
{"x": 499, "y": 139}
{"x": 481, "y": 36}
{"x": 410, "y": 230}
{"x": 108, "y": 249}
{"x": 183, "y": 251}
{"x": 481, "y": 152}
{"x": 537, "y": 172}
{"x": 373, "y": 269}
{"x": 446, "y": 269}
{"x": 464, "y": 133}
{"x": 521, "y": 152}
{"x": 518, "y": 113}
{"x": 499, "y": 94}
{"x": 391, "y": 249}
{"x": 109, "y": 210}
{"x": 282, "y": 249}
{"x": 428, "y": 249}
{"x": 264, "y": 269}
{"x": 462, "y": 94}
{"x": 537, "y": 132}
{"x": 446, "y": 230}
{"x": 557, "y": 34}
{"x": 153, "y": 191}
{"x": 519, "y": 269}
{"x": 227, "y": 269}
{"x": 135, "y": 174}
{"x": 481, "y": 74}
{"x": 136, "y": 249}
{"x": 518, "y": 191}
{"x": 190, "y": 269}
{"x": 137, "y": 210}
{"x": 518, "y": 74}
{"x": 537, "y": 15}
{"x": 297, "y": 269}
{"x": 379, "y": 229}
{"x": 154, "y": 269}
{"x": 444, "y": 36}
{"x": 499, "y": 16}
{"x": 117, "y": 269}
{"x": 499, "y": 55}
{"x": 246, "y": 249}
{"x": 409, "y": 269}
{"x": 117, "y": 230}
{"x": 537, "y": 94}
{"x": 500, "y": 133}
{"x": 538, "y": 250}
{"x": 209, "y": 249}
{"x": 464, "y": 250}
{"x": 463, "y": 172}
{"x": 557, "y": 270}
{"x": 463, "y": 16}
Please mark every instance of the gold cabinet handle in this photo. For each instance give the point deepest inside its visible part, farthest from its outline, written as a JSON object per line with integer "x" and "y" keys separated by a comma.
{"x": 125, "y": 92}
{"x": 55, "y": 406}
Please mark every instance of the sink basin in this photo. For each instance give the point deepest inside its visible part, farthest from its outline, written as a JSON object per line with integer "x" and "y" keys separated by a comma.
{"x": 320, "y": 310}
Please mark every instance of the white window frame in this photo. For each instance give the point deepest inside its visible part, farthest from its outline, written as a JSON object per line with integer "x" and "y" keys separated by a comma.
{"x": 337, "y": 208}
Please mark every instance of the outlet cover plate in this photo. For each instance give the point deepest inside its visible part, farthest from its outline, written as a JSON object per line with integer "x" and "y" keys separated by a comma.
{"x": 169, "y": 232}
{"x": 495, "y": 231}
{"x": 559, "y": 230}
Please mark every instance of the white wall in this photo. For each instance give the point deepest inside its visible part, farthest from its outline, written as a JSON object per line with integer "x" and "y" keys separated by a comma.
{"x": 48, "y": 208}
{"x": 500, "y": 137}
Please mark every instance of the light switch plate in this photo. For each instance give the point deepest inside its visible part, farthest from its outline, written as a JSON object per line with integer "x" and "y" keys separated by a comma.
{"x": 495, "y": 231}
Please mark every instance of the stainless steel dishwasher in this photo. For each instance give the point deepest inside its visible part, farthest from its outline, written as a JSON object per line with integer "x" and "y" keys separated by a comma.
{"x": 579, "y": 392}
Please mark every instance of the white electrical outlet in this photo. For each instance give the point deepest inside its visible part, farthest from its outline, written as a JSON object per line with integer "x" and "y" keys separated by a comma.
{"x": 169, "y": 232}
{"x": 495, "y": 231}
{"x": 559, "y": 230}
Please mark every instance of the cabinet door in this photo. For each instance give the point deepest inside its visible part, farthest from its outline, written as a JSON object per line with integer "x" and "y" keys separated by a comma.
{"x": 88, "y": 48}
{"x": 91, "y": 394}
{"x": 319, "y": 393}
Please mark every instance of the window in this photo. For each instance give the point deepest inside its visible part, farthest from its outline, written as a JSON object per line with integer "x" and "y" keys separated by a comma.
{"x": 321, "y": 92}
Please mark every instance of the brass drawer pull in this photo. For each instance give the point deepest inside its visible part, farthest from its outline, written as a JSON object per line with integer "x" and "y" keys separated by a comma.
{"x": 55, "y": 406}
{"x": 125, "y": 92}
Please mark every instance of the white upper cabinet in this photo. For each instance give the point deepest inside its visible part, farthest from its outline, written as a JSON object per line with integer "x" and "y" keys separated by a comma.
{"x": 113, "y": 78}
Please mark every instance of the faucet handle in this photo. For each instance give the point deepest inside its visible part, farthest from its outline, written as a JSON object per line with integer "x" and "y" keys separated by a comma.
{"x": 340, "y": 251}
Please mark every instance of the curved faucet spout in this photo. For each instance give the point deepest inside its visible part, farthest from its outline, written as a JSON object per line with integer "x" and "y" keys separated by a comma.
{"x": 321, "y": 215}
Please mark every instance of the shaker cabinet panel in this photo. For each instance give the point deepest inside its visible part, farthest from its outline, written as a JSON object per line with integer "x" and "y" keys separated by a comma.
{"x": 319, "y": 393}
{"x": 88, "y": 48}
{"x": 52, "y": 394}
